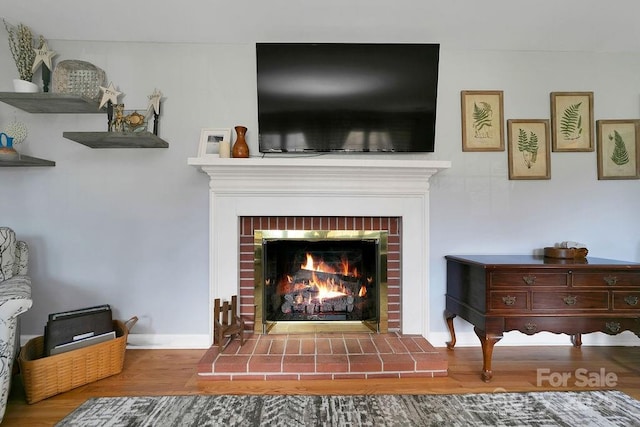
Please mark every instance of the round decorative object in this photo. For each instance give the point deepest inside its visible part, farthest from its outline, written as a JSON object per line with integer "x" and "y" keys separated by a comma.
{"x": 75, "y": 77}
{"x": 16, "y": 130}
{"x": 135, "y": 122}
{"x": 565, "y": 253}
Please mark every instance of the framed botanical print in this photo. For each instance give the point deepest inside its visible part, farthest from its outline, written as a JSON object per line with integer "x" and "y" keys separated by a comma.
{"x": 482, "y": 120}
{"x": 528, "y": 148}
{"x": 572, "y": 121}
{"x": 618, "y": 149}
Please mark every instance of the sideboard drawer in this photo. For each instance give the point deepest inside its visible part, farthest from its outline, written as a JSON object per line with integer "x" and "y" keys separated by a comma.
{"x": 626, "y": 300}
{"x": 509, "y": 300}
{"x": 570, "y": 300}
{"x": 528, "y": 278}
{"x": 611, "y": 278}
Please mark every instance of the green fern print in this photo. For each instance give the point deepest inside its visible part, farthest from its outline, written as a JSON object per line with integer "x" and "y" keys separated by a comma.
{"x": 620, "y": 155}
{"x": 528, "y": 146}
{"x": 571, "y": 122}
{"x": 482, "y": 119}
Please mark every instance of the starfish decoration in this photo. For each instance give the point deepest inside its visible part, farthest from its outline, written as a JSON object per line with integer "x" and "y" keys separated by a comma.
{"x": 109, "y": 94}
{"x": 154, "y": 101}
{"x": 43, "y": 56}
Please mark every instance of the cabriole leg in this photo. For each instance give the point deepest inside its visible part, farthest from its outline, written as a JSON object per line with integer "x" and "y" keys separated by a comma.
{"x": 576, "y": 340}
{"x": 449, "y": 318}
{"x": 487, "y": 341}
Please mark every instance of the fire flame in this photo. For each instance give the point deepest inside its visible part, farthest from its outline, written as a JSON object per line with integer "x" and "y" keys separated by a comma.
{"x": 324, "y": 282}
{"x": 327, "y": 289}
{"x": 363, "y": 291}
{"x": 321, "y": 266}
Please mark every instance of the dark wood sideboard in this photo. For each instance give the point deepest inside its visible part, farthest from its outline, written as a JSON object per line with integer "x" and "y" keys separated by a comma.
{"x": 530, "y": 294}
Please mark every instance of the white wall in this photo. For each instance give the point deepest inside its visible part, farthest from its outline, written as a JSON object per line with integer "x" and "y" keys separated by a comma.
{"x": 475, "y": 207}
{"x": 129, "y": 227}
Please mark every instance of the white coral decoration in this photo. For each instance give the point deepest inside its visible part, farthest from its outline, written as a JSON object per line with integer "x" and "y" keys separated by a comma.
{"x": 16, "y": 130}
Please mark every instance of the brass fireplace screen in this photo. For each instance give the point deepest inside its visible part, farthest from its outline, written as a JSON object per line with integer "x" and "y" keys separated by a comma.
{"x": 320, "y": 281}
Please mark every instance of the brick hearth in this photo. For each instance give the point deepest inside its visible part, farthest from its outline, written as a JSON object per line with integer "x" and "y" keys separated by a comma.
{"x": 323, "y": 356}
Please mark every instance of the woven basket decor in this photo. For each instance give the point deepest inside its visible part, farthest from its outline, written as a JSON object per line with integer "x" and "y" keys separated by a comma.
{"x": 44, "y": 377}
{"x": 74, "y": 77}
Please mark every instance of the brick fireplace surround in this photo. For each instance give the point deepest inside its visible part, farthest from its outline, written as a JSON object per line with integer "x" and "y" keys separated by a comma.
{"x": 320, "y": 193}
{"x": 249, "y": 224}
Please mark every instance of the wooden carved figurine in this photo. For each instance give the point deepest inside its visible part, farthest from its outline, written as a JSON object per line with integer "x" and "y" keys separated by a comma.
{"x": 118, "y": 119}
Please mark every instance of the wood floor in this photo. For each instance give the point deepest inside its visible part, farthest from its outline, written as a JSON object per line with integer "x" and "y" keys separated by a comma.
{"x": 157, "y": 372}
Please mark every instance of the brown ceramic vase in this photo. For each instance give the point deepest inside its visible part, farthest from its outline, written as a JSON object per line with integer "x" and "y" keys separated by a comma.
{"x": 240, "y": 147}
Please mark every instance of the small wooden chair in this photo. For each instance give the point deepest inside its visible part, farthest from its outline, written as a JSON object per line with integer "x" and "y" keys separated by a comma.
{"x": 226, "y": 322}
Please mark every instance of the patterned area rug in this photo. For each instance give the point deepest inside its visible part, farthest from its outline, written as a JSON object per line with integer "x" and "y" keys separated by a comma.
{"x": 589, "y": 408}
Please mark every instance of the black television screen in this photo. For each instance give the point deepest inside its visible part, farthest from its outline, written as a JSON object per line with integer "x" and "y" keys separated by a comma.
{"x": 346, "y": 97}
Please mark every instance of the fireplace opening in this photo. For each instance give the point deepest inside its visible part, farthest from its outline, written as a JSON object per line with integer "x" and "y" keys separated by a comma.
{"x": 320, "y": 281}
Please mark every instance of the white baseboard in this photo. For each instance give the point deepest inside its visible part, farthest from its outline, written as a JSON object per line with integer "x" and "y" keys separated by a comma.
{"x": 437, "y": 339}
{"x": 514, "y": 338}
{"x": 156, "y": 341}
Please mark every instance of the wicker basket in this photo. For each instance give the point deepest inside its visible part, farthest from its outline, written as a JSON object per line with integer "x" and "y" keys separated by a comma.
{"x": 47, "y": 376}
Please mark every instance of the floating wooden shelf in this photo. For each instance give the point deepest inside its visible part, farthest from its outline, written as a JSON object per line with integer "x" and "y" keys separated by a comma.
{"x": 26, "y": 161}
{"x": 50, "y": 103}
{"x": 117, "y": 139}
{"x": 55, "y": 103}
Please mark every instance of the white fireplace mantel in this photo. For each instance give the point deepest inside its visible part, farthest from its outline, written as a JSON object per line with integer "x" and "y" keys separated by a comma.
{"x": 311, "y": 186}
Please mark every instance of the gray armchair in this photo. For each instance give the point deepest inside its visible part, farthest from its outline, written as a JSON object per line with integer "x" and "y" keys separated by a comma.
{"x": 15, "y": 298}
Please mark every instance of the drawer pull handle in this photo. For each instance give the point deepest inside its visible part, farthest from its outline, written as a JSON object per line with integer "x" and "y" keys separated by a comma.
{"x": 613, "y": 326}
{"x": 631, "y": 299}
{"x": 529, "y": 280}
{"x": 530, "y": 327}
{"x": 611, "y": 280}
{"x": 570, "y": 300}
{"x": 509, "y": 300}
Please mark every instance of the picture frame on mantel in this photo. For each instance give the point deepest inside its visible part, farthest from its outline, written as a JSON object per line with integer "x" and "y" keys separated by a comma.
{"x": 210, "y": 140}
{"x": 572, "y": 121}
{"x": 618, "y": 149}
{"x": 482, "y": 120}
{"x": 529, "y": 149}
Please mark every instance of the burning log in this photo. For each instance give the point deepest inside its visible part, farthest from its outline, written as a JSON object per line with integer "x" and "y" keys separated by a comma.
{"x": 319, "y": 290}
{"x": 309, "y": 302}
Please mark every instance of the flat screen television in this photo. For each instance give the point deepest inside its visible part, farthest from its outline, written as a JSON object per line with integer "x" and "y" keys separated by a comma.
{"x": 346, "y": 97}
